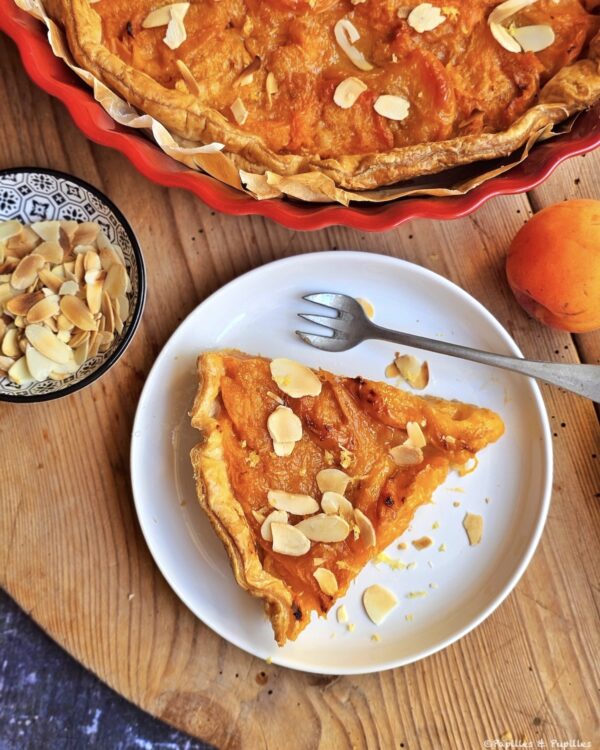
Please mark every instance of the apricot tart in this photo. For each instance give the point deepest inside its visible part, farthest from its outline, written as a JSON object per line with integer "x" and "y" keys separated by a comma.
{"x": 367, "y": 92}
{"x": 306, "y": 476}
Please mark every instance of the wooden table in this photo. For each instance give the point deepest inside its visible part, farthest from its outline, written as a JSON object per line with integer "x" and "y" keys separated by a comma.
{"x": 72, "y": 555}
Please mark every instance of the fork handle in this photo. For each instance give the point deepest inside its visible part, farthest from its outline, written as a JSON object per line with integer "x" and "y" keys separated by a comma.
{"x": 581, "y": 379}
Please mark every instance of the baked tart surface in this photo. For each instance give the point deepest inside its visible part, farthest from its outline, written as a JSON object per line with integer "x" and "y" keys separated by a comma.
{"x": 368, "y": 93}
{"x": 304, "y": 490}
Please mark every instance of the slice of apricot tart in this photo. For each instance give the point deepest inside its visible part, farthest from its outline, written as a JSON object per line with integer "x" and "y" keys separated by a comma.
{"x": 306, "y": 476}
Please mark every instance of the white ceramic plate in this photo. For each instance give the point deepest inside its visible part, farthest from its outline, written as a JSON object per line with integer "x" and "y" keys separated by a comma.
{"x": 257, "y": 313}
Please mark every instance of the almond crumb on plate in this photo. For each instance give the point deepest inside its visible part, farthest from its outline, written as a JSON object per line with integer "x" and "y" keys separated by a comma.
{"x": 350, "y": 627}
{"x": 376, "y": 637}
{"x": 473, "y": 525}
{"x": 422, "y": 542}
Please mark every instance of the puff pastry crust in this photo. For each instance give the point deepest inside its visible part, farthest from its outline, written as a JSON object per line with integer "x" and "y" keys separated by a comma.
{"x": 234, "y": 465}
{"x": 469, "y": 98}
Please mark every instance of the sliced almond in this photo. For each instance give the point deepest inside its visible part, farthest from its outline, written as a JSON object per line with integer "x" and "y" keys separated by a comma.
{"x": 271, "y": 87}
{"x": 23, "y": 243}
{"x": 176, "y": 33}
{"x": 473, "y": 525}
{"x": 93, "y": 294}
{"x": 51, "y": 252}
{"x": 507, "y": 9}
{"x": 239, "y": 111}
{"x": 414, "y": 372}
{"x": 39, "y": 366}
{"x": 283, "y": 449}
{"x": 161, "y": 16}
{"x": 91, "y": 261}
{"x": 9, "y": 229}
{"x": 295, "y": 379}
{"x": 378, "y": 602}
{"x": 188, "y": 78}
{"x": 346, "y": 34}
{"x": 342, "y": 614}
{"x": 68, "y": 287}
{"x": 277, "y": 516}
{"x": 348, "y": 91}
{"x": 45, "y": 308}
{"x": 333, "y": 480}
{"x": 324, "y": 528}
{"x": 5, "y": 364}
{"x": 108, "y": 313}
{"x": 392, "y": 107}
{"x": 78, "y": 337}
{"x": 332, "y": 503}
{"x": 80, "y": 354}
{"x": 49, "y": 231}
{"x": 75, "y": 310}
{"x": 108, "y": 257}
{"x": 406, "y": 455}
{"x": 10, "y": 343}
{"x": 284, "y": 426}
{"x": 19, "y": 372}
{"x": 50, "y": 279}
{"x": 289, "y": 540}
{"x": 415, "y": 434}
{"x": 26, "y": 273}
{"x": 85, "y": 233}
{"x": 366, "y": 528}
{"x": 22, "y": 303}
{"x": 504, "y": 39}
{"x": 533, "y": 38}
{"x": 298, "y": 505}
{"x": 327, "y": 581}
{"x": 115, "y": 284}
{"x": 47, "y": 344}
{"x": 425, "y": 17}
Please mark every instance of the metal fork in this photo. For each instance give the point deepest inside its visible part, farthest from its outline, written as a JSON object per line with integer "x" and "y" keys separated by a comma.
{"x": 351, "y": 326}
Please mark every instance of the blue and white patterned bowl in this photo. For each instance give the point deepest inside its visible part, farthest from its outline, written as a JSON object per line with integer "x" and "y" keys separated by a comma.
{"x": 30, "y": 195}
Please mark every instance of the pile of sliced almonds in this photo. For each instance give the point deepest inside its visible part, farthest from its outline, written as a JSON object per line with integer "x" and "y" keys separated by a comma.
{"x": 63, "y": 297}
{"x": 410, "y": 452}
{"x": 517, "y": 39}
{"x": 333, "y": 524}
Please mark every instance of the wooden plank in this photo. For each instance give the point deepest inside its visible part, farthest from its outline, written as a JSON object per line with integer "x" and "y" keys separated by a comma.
{"x": 72, "y": 555}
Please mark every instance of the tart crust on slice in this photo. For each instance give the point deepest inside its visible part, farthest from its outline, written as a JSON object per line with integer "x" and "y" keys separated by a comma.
{"x": 353, "y": 425}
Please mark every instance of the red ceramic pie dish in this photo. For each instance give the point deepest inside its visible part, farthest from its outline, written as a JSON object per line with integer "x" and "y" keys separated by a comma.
{"x": 52, "y": 75}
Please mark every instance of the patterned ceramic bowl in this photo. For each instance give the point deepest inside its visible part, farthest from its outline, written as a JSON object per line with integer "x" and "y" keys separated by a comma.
{"x": 31, "y": 195}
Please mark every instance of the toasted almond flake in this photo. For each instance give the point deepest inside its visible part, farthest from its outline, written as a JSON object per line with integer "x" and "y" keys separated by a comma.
{"x": 80, "y": 354}
{"x": 75, "y": 310}
{"x": 333, "y": 480}
{"x": 50, "y": 279}
{"x": 23, "y": 243}
{"x": 277, "y": 516}
{"x": 391, "y": 562}
{"x": 39, "y": 366}
{"x": 276, "y": 398}
{"x": 19, "y": 372}
{"x": 49, "y": 231}
{"x": 332, "y": 503}
{"x": 473, "y": 525}
{"x": 414, "y": 372}
{"x": 416, "y": 594}
{"x": 10, "y": 343}
{"x": 327, "y": 581}
{"x": 260, "y": 517}
{"x": 91, "y": 261}
{"x": 116, "y": 281}
{"x": 367, "y": 530}
{"x": 289, "y": 540}
{"x": 283, "y": 449}
{"x": 22, "y": 303}
{"x": 284, "y": 426}
{"x": 188, "y": 78}
{"x": 422, "y": 542}
{"x": 392, "y": 107}
{"x": 367, "y": 307}
{"x": 342, "y": 614}
{"x": 10, "y": 229}
{"x": 93, "y": 295}
{"x": 415, "y": 435}
{"x": 378, "y": 602}
{"x": 159, "y": 17}
{"x": 47, "y": 344}
{"x": 504, "y": 39}
{"x": 51, "y": 252}
{"x": 5, "y": 364}
{"x": 298, "y": 505}
{"x": 45, "y": 308}
{"x": 324, "y": 528}
{"x": 271, "y": 86}
{"x": 348, "y": 91}
{"x": 26, "y": 273}
{"x": 406, "y": 455}
{"x": 533, "y": 38}
{"x": 425, "y": 17}
{"x": 346, "y": 34}
{"x": 68, "y": 287}
{"x": 239, "y": 111}
{"x": 294, "y": 379}
{"x": 246, "y": 77}
{"x": 391, "y": 371}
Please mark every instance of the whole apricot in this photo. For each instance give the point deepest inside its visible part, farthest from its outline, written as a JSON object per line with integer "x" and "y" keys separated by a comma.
{"x": 553, "y": 266}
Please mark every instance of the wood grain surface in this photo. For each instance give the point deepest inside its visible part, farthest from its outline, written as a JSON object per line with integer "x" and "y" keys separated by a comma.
{"x": 72, "y": 555}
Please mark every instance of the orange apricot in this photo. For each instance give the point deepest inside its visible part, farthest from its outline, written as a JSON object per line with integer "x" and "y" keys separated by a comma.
{"x": 553, "y": 266}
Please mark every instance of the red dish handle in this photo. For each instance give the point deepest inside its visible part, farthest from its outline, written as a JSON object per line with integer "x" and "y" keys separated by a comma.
{"x": 54, "y": 77}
